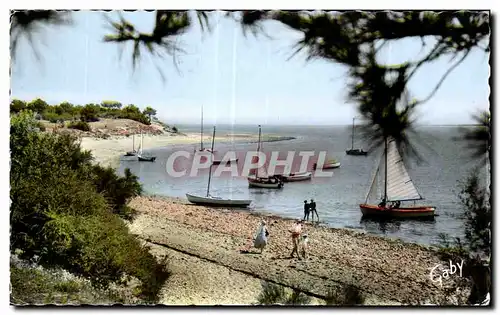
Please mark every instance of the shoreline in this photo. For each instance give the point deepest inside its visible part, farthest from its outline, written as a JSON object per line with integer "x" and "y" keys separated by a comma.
{"x": 214, "y": 237}
{"x": 269, "y": 215}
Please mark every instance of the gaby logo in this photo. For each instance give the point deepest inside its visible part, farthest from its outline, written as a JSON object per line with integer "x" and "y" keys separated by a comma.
{"x": 440, "y": 272}
{"x": 243, "y": 164}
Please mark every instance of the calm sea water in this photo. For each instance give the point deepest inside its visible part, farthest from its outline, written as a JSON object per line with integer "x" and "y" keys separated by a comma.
{"x": 337, "y": 197}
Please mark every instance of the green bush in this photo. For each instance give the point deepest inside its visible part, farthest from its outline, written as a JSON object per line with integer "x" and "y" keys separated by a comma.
{"x": 117, "y": 190}
{"x": 53, "y": 117}
{"x": 79, "y": 125}
{"x": 477, "y": 213}
{"x": 17, "y": 105}
{"x": 63, "y": 211}
{"x": 40, "y": 286}
{"x": 89, "y": 113}
{"x": 273, "y": 294}
{"x": 346, "y": 295}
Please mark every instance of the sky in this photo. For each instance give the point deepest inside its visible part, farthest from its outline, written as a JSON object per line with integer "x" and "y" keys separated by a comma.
{"x": 237, "y": 79}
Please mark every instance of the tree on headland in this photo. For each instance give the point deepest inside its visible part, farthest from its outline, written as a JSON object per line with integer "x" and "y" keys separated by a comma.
{"x": 37, "y": 105}
{"x": 111, "y": 104}
{"x": 89, "y": 113}
{"x": 17, "y": 105}
{"x": 131, "y": 108}
{"x": 150, "y": 112}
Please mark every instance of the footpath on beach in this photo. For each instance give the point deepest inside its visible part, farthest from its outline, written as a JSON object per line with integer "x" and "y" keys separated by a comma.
{"x": 386, "y": 271}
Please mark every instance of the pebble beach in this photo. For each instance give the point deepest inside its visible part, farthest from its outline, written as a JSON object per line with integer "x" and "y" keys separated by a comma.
{"x": 388, "y": 272}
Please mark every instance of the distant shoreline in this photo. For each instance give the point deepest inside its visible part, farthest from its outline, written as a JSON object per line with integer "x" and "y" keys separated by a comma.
{"x": 107, "y": 152}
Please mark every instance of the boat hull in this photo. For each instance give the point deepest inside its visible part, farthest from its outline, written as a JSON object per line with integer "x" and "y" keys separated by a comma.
{"x": 297, "y": 177}
{"x": 226, "y": 162}
{"x": 215, "y": 201}
{"x": 400, "y": 212}
{"x": 147, "y": 159}
{"x": 206, "y": 150}
{"x": 327, "y": 166}
{"x": 130, "y": 154}
{"x": 264, "y": 183}
{"x": 357, "y": 152}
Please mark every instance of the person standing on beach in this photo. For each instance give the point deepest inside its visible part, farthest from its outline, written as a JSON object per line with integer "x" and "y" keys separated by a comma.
{"x": 260, "y": 240}
{"x": 306, "y": 211}
{"x": 296, "y": 231}
{"x": 312, "y": 209}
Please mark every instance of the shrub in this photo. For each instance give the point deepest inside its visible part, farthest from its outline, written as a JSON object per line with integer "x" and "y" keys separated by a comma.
{"x": 60, "y": 215}
{"x": 17, "y": 105}
{"x": 346, "y": 295}
{"x": 273, "y": 294}
{"x": 40, "y": 286}
{"x": 79, "y": 125}
{"x": 174, "y": 129}
{"x": 53, "y": 117}
{"x": 477, "y": 212}
{"x": 137, "y": 116}
{"x": 117, "y": 190}
{"x": 89, "y": 113}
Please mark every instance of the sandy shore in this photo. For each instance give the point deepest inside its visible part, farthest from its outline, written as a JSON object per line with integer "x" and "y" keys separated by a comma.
{"x": 204, "y": 247}
{"x": 108, "y": 151}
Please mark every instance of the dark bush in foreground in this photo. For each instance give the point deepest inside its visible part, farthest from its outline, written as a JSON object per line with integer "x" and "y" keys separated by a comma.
{"x": 34, "y": 286}
{"x": 273, "y": 294}
{"x": 79, "y": 125}
{"x": 347, "y": 295}
{"x": 63, "y": 211}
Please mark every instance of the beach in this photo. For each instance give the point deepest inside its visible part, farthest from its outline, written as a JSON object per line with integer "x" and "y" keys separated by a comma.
{"x": 204, "y": 248}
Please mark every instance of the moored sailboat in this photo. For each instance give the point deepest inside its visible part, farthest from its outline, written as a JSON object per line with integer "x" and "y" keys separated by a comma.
{"x": 141, "y": 157}
{"x": 353, "y": 151}
{"x": 133, "y": 152}
{"x": 202, "y": 149}
{"x": 398, "y": 188}
{"x": 213, "y": 200}
{"x": 258, "y": 178}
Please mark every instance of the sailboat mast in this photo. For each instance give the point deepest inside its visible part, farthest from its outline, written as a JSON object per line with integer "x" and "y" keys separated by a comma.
{"x": 352, "y": 144}
{"x": 140, "y": 150}
{"x": 211, "y": 163}
{"x": 258, "y": 145}
{"x": 201, "y": 131}
{"x": 385, "y": 180}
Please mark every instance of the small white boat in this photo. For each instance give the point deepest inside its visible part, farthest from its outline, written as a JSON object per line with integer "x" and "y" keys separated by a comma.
{"x": 296, "y": 177}
{"x": 264, "y": 182}
{"x": 217, "y": 201}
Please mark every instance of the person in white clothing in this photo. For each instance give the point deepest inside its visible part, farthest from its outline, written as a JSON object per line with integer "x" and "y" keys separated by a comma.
{"x": 260, "y": 240}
